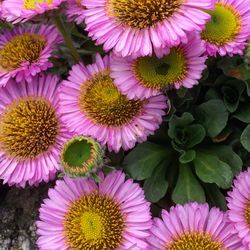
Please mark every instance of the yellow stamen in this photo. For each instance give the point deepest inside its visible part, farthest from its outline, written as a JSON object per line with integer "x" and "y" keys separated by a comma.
{"x": 142, "y": 13}
{"x": 94, "y": 222}
{"x": 224, "y": 26}
{"x": 21, "y": 48}
{"x": 101, "y": 101}
{"x": 247, "y": 213}
{"x": 195, "y": 241}
{"x": 159, "y": 74}
{"x": 28, "y": 127}
{"x": 32, "y": 4}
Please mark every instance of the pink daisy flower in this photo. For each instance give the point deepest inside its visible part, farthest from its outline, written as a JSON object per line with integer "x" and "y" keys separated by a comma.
{"x": 80, "y": 214}
{"x": 239, "y": 206}
{"x": 74, "y": 11}
{"x": 1, "y": 3}
{"x": 137, "y": 27}
{"x": 25, "y": 52}
{"x": 92, "y": 105}
{"x": 140, "y": 78}
{"x": 22, "y": 10}
{"x": 193, "y": 226}
{"x": 228, "y": 30}
{"x": 31, "y": 131}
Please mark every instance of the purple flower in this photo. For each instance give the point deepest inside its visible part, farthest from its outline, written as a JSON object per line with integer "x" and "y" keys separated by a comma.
{"x": 92, "y": 105}
{"x": 74, "y": 11}
{"x": 139, "y": 27}
{"x": 228, "y": 31}
{"x": 22, "y": 10}
{"x": 25, "y": 52}
{"x": 239, "y": 207}
{"x": 143, "y": 77}
{"x": 193, "y": 226}
{"x": 31, "y": 131}
{"x": 80, "y": 214}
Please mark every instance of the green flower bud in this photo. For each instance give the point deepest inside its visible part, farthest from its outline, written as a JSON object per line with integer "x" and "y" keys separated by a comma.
{"x": 81, "y": 156}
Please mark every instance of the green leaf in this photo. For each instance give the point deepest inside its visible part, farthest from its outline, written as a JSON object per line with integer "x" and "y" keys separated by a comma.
{"x": 141, "y": 162}
{"x": 227, "y": 155}
{"x": 181, "y": 93}
{"x": 248, "y": 87}
{"x": 187, "y": 188}
{"x": 245, "y": 138}
{"x": 212, "y": 93}
{"x": 213, "y": 116}
{"x": 187, "y": 156}
{"x": 210, "y": 169}
{"x": 234, "y": 67}
{"x": 243, "y": 113}
{"x": 156, "y": 186}
{"x": 215, "y": 197}
{"x": 232, "y": 91}
{"x": 195, "y": 134}
{"x": 179, "y": 122}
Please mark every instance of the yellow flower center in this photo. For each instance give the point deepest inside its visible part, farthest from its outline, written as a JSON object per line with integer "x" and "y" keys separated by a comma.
{"x": 32, "y": 4}
{"x": 28, "y": 127}
{"x": 94, "y": 222}
{"x": 102, "y": 102}
{"x": 247, "y": 213}
{"x": 141, "y": 14}
{"x": 157, "y": 73}
{"x": 195, "y": 241}
{"x": 224, "y": 26}
{"x": 21, "y": 48}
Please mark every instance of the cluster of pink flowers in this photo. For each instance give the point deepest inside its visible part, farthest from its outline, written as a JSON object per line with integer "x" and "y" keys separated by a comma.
{"x": 189, "y": 226}
{"x": 119, "y": 100}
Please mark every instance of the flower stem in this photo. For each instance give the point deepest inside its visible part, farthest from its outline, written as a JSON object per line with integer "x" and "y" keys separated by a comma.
{"x": 67, "y": 38}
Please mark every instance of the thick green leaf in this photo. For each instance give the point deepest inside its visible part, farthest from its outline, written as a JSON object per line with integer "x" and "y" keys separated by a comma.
{"x": 214, "y": 196}
{"x": 232, "y": 92}
{"x": 179, "y": 122}
{"x": 212, "y": 93}
{"x": 213, "y": 116}
{"x": 226, "y": 154}
{"x": 243, "y": 113}
{"x": 248, "y": 87}
{"x": 141, "y": 162}
{"x": 210, "y": 169}
{"x": 187, "y": 188}
{"x": 195, "y": 134}
{"x": 156, "y": 186}
{"x": 187, "y": 156}
{"x": 245, "y": 138}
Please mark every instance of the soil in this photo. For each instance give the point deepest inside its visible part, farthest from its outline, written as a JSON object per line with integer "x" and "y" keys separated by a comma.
{"x": 18, "y": 213}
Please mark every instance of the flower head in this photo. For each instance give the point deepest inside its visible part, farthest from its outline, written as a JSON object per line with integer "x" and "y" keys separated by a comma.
{"x": 81, "y": 156}
{"x": 31, "y": 131}
{"x": 92, "y": 105}
{"x": 239, "y": 206}
{"x": 111, "y": 215}
{"x": 74, "y": 11}
{"x": 138, "y": 27}
{"x": 193, "y": 226}
{"x": 228, "y": 30}
{"x": 25, "y": 52}
{"x": 1, "y": 10}
{"x": 22, "y": 10}
{"x": 140, "y": 78}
